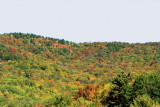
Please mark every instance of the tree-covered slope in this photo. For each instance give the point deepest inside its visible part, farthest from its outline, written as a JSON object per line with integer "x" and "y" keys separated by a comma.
{"x": 41, "y": 71}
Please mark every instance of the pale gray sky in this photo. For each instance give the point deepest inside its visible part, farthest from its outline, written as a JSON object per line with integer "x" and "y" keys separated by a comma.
{"x": 83, "y": 20}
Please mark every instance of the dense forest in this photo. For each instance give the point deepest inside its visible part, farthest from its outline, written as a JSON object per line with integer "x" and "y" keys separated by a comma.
{"x": 37, "y": 71}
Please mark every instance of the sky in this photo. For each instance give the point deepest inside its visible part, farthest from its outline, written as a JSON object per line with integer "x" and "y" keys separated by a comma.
{"x": 84, "y": 20}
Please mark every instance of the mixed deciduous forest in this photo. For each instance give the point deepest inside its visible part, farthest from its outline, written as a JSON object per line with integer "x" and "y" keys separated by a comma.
{"x": 37, "y": 71}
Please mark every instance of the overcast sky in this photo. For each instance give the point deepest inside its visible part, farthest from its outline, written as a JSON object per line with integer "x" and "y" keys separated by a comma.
{"x": 84, "y": 20}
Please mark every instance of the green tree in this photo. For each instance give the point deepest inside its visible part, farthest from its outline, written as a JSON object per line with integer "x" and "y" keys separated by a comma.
{"x": 148, "y": 85}
{"x": 121, "y": 93}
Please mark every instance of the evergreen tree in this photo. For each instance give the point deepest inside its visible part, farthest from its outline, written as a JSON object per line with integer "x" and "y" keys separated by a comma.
{"x": 121, "y": 93}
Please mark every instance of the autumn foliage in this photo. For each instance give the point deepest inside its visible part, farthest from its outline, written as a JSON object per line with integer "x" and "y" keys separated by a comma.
{"x": 88, "y": 92}
{"x": 45, "y": 72}
{"x": 13, "y": 50}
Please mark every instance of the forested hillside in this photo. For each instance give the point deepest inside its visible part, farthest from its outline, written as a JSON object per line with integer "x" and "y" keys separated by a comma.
{"x": 37, "y": 71}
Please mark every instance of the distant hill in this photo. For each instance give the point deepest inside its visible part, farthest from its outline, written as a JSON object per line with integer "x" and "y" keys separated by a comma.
{"x": 41, "y": 71}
